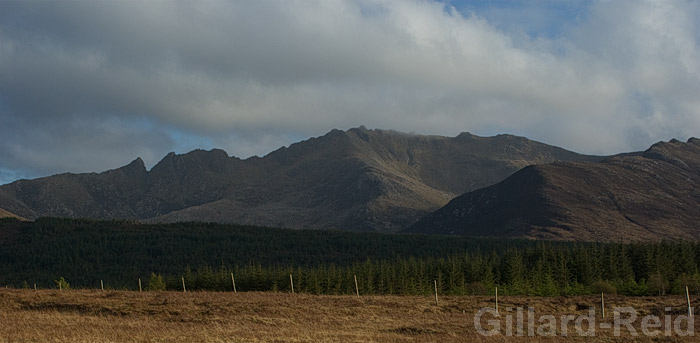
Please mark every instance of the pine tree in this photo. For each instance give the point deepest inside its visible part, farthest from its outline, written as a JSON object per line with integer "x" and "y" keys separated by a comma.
{"x": 156, "y": 283}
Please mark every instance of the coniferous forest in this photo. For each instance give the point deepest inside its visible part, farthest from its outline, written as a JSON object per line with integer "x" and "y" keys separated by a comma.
{"x": 84, "y": 252}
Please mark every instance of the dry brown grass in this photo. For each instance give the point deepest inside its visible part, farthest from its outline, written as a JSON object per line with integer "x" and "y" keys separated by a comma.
{"x": 7, "y": 214}
{"x": 111, "y": 316}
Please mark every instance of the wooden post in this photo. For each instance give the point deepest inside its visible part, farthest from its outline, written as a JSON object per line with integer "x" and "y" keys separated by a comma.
{"x": 102, "y": 285}
{"x": 140, "y": 290}
{"x": 233, "y": 281}
{"x": 357, "y": 289}
{"x": 60, "y": 286}
{"x": 687, "y": 298}
{"x": 496, "y": 299}
{"x": 602, "y": 304}
{"x": 35, "y": 286}
{"x": 291, "y": 282}
{"x": 184, "y": 290}
{"x": 436, "y": 297}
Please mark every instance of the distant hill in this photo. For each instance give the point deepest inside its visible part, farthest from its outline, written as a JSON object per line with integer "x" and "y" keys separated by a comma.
{"x": 358, "y": 179}
{"x": 651, "y": 196}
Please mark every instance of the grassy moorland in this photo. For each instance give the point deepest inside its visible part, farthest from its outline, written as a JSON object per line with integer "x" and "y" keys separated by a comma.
{"x": 126, "y": 316}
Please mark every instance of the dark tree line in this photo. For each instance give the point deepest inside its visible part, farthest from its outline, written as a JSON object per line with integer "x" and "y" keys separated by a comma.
{"x": 544, "y": 269}
{"x": 326, "y": 262}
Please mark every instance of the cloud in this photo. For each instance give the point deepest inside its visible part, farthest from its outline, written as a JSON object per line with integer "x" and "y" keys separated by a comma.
{"x": 87, "y": 86}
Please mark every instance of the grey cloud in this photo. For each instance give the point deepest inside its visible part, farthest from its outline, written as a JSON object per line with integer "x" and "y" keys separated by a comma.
{"x": 249, "y": 76}
{"x": 88, "y": 145}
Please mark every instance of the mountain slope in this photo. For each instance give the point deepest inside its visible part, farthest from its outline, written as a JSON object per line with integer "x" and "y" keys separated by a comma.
{"x": 653, "y": 196}
{"x": 356, "y": 180}
{"x": 6, "y": 214}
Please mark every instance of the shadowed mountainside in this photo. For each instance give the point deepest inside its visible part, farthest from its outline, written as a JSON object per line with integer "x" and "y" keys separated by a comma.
{"x": 355, "y": 180}
{"x": 651, "y": 196}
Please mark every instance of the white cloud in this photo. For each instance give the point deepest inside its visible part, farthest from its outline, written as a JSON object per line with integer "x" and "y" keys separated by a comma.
{"x": 251, "y": 75}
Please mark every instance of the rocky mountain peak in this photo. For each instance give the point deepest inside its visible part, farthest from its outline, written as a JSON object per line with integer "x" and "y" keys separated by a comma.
{"x": 197, "y": 159}
{"x": 684, "y": 155}
{"x": 136, "y": 167}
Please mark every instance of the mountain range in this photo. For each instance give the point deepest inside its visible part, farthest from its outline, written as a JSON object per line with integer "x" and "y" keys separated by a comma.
{"x": 357, "y": 179}
{"x": 388, "y": 181}
{"x": 653, "y": 195}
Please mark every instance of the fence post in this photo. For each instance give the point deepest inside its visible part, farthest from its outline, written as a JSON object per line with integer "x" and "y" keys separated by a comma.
{"x": 602, "y": 304}
{"x": 233, "y": 281}
{"x": 184, "y": 290}
{"x": 357, "y": 289}
{"x": 102, "y": 285}
{"x": 140, "y": 290}
{"x": 687, "y": 298}
{"x": 436, "y": 294}
{"x": 291, "y": 282}
{"x": 496, "y": 299}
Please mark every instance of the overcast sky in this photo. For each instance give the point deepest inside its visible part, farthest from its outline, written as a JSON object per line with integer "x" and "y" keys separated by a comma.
{"x": 91, "y": 85}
